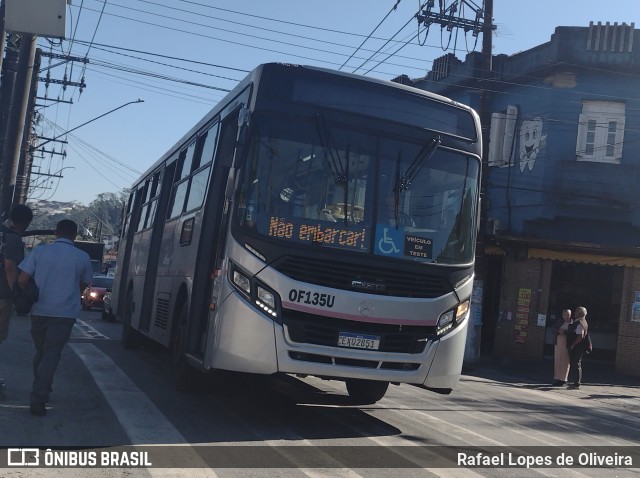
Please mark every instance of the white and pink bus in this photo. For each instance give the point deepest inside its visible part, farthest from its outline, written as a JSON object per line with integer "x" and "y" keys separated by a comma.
{"x": 313, "y": 223}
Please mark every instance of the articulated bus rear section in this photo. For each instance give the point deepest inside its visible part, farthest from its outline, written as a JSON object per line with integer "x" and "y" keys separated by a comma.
{"x": 314, "y": 223}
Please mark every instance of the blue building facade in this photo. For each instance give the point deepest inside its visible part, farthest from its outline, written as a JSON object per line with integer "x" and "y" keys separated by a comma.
{"x": 562, "y": 188}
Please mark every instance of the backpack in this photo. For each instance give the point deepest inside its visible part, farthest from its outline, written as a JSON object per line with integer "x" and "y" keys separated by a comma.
{"x": 23, "y": 299}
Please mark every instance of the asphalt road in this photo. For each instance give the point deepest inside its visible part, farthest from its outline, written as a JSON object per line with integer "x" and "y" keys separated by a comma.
{"x": 105, "y": 397}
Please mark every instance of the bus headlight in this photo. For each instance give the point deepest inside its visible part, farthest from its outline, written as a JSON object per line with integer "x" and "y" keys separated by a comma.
{"x": 452, "y": 318}
{"x": 256, "y": 292}
{"x": 267, "y": 302}
{"x": 242, "y": 282}
{"x": 266, "y": 297}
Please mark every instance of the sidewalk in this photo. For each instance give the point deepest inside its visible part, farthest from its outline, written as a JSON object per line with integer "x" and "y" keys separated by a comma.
{"x": 599, "y": 380}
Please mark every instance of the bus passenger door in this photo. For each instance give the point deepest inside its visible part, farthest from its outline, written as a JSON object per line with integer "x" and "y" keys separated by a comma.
{"x": 213, "y": 234}
{"x": 153, "y": 257}
{"x": 124, "y": 256}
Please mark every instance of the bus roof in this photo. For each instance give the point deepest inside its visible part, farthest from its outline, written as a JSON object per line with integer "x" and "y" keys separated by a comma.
{"x": 257, "y": 71}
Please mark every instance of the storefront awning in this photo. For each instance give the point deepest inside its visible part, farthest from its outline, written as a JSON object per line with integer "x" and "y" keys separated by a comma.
{"x": 567, "y": 256}
{"x": 492, "y": 250}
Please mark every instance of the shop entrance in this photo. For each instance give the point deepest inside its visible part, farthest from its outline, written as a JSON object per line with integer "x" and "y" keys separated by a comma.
{"x": 596, "y": 287}
{"x": 491, "y": 303}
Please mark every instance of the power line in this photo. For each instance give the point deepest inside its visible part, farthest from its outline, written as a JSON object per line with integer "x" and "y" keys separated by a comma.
{"x": 165, "y": 92}
{"x": 385, "y": 44}
{"x": 252, "y": 46}
{"x": 167, "y": 65}
{"x": 95, "y": 31}
{"x": 137, "y": 71}
{"x": 159, "y": 55}
{"x": 370, "y": 34}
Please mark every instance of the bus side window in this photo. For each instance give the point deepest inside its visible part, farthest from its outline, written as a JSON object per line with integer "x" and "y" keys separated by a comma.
{"x": 184, "y": 162}
{"x": 178, "y": 196}
{"x": 209, "y": 144}
{"x": 143, "y": 214}
{"x": 198, "y": 189}
{"x": 127, "y": 216}
{"x": 156, "y": 188}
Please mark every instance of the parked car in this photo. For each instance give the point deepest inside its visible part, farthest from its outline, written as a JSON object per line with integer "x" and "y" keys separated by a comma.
{"x": 107, "y": 311}
{"x": 93, "y": 294}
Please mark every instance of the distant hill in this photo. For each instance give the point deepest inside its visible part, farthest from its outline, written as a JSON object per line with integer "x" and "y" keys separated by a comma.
{"x": 99, "y": 219}
{"x": 46, "y": 214}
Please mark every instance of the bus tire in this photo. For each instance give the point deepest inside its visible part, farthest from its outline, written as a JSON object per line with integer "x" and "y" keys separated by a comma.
{"x": 131, "y": 338}
{"x": 185, "y": 377}
{"x": 366, "y": 392}
{"x": 107, "y": 317}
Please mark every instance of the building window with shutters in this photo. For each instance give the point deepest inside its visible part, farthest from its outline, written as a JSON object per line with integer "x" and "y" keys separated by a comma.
{"x": 502, "y": 137}
{"x": 601, "y": 131}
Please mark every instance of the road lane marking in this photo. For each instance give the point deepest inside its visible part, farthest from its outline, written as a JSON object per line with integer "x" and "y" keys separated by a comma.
{"x": 281, "y": 447}
{"x": 87, "y": 331}
{"x": 144, "y": 423}
{"x": 517, "y": 391}
{"x": 444, "y": 472}
{"x": 141, "y": 420}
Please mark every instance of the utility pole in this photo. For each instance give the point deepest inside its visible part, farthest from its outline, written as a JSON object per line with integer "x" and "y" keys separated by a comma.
{"x": 449, "y": 16}
{"x": 25, "y": 156}
{"x": 25, "y": 20}
{"x": 482, "y": 292}
{"x": 16, "y": 86}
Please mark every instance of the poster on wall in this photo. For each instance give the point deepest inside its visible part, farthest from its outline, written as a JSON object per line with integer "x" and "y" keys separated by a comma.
{"x": 476, "y": 302}
{"x": 522, "y": 315}
{"x": 635, "y": 312}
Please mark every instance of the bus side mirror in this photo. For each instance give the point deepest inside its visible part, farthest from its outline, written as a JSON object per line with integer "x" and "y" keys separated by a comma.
{"x": 243, "y": 116}
{"x": 286, "y": 194}
{"x": 243, "y": 127}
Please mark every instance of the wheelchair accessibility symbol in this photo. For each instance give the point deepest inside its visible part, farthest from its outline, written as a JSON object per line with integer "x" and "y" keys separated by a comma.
{"x": 389, "y": 241}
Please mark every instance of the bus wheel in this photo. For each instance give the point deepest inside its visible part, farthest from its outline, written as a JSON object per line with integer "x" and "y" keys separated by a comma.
{"x": 131, "y": 338}
{"x": 107, "y": 316}
{"x": 366, "y": 392}
{"x": 185, "y": 377}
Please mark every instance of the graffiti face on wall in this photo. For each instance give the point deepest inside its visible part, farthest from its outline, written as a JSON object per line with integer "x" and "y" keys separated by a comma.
{"x": 531, "y": 140}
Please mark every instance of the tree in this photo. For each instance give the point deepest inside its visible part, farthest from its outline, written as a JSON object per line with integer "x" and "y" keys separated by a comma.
{"x": 105, "y": 212}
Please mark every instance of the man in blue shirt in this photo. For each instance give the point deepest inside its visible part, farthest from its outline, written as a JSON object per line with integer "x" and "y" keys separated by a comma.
{"x": 60, "y": 271}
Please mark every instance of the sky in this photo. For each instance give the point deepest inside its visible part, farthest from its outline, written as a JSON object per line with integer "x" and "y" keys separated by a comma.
{"x": 181, "y": 56}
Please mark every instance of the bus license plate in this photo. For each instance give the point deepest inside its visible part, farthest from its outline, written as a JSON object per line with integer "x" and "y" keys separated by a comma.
{"x": 358, "y": 341}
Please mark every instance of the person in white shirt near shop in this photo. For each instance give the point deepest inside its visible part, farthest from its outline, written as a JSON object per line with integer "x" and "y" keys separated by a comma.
{"x": 560, "y": 351}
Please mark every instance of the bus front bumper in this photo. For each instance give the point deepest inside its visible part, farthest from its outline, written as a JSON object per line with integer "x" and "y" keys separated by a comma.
{"x": 438, "y": 366}
{"x": 248, "y": 341}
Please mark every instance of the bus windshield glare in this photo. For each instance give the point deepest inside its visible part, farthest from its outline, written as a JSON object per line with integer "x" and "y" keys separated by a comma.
{"x": 325, "y": 186}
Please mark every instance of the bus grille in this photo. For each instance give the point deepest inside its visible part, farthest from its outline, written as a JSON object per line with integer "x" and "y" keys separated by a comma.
{"x": 341, "y": 275}
{"x": 313, "y": 329}
{"x": 328, "y": 360}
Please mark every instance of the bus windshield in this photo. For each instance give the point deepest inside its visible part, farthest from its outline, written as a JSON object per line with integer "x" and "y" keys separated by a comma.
{"x": 340, "y": 187}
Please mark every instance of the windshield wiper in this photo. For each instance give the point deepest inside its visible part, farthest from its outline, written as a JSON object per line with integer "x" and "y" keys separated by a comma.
{"x": 416, "y": 165}
{"x": 330, "y": 152}
{"x": 346, "y": 191}
{"x": 396, "y": 191}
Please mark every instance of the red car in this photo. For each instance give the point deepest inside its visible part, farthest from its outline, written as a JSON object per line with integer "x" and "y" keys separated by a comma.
{"x": 92, "y": 295}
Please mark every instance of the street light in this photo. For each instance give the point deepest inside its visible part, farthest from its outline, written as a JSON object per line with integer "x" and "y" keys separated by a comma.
{"x": 87, "y": 122}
